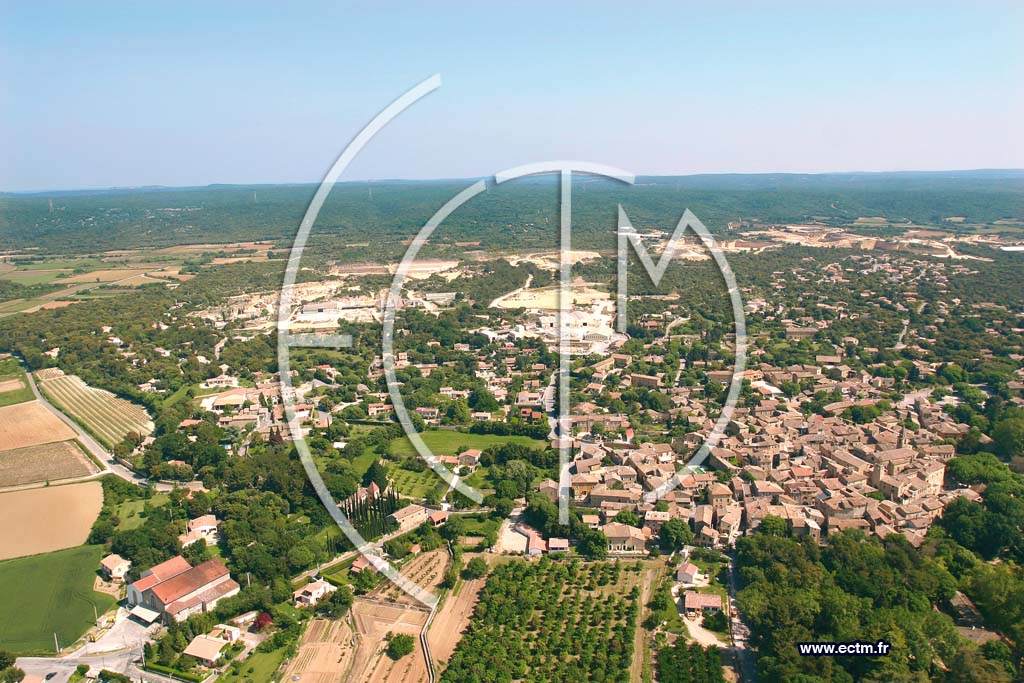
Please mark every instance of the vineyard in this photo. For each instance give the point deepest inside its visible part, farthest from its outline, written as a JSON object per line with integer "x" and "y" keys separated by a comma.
{"x": 106, "y": 416}
{"x": 551, "y": 621}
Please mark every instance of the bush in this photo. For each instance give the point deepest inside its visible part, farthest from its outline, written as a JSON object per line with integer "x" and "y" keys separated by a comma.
{"x": 399, "y": 645}
{"x": 716, "y": 621}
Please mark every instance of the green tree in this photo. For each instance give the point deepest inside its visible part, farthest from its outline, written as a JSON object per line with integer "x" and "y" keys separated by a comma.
{"x": 399, "y": 645}
{"x": 476, "y": 568}
{"x": 674, "y": 534}
{"x": 1009, "y": 436}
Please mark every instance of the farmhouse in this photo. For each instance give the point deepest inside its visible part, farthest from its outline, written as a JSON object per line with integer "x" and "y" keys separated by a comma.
{"x": 200, "y": 528}
{"x": 175, "y": 590}
{"x": 623, "y": 538}
{"x": 409, "y": 517}
{"x": 694, "y": 602}
{"x": 115, "y": 567}
{"x": 312, "y": 593}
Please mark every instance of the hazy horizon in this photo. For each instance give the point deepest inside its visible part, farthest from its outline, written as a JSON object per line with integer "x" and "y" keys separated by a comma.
{"x": 126, "y": 95}
{"x": 366, "y": 181}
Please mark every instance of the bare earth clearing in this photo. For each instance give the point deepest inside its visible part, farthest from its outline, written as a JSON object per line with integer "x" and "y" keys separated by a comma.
{"x": 42, "y": 520}
{"x": 50, "y": 462}
{"x": 325, "y": 653}
{"x": 11, "y": 385}
{"x": 30, "y": 424}
{"x": 353, "y": 649}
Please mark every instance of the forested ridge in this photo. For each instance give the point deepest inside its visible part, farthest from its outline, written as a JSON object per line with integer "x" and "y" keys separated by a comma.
{"x": 519, "y": 214}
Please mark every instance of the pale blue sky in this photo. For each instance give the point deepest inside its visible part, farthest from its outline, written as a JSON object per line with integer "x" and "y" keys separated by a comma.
{"x": 112, "y": 94}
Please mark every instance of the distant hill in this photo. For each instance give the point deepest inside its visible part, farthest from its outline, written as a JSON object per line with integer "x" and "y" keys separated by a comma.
{"x": 522, "y": 213}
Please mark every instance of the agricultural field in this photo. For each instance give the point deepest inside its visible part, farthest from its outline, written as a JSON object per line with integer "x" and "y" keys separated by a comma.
{"x": 13, "y": 384}
{"x": 52, "y": 462}
{"x": 550, "y": 620}
{"x": 106, "y": 416}
{"x": 42, "y": 520}
{"x": 453, "y": 616}
{"x": 31, "y": 424}
{"x": 425, "y": 570}
{"x": 34, "y": 277}
{"x": 108, "y": 275}
{"x": 352, "y": 649}
{"x": 49, "y": 593}
{"x": 447, "y": 442}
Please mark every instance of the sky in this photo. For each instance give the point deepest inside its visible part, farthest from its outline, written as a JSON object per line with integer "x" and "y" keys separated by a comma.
{"x": 189, "y": 93}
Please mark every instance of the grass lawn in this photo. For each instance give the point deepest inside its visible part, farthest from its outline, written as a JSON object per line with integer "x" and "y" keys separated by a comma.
{"x": 478, "y": 479}
{"x": 446, "y": 442}
{"x": 49, "y": 593}
{"x": 10, "y": 369}
{"x": 362, "y": 462}
{"x": 130, "y": 512}
{"x": 259, "y": 667}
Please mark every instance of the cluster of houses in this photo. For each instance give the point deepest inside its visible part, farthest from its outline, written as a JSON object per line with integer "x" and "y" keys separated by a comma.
{"x": 819, "y": 473}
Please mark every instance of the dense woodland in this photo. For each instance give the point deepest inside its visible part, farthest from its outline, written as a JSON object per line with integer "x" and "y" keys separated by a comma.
{"x": 520, "y": 213}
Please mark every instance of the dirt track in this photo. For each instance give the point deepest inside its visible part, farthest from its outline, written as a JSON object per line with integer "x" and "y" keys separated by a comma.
{"x": 453, "y": 618}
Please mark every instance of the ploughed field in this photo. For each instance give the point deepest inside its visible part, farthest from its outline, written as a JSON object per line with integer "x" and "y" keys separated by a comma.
{"x": 41, "y": 520}
{"x": 51, "y": 462}
{"x": 30, "y": 424}
{"x": 353, "y": 648}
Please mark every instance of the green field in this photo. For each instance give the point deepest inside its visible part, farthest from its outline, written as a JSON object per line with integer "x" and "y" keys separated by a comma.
{"x": 90, "y": 263}
{"x": 10, "y": 369}
{"x": 49, "y": 593}
{"x": 446, "y": 442}
{"x": 33, "y": 277}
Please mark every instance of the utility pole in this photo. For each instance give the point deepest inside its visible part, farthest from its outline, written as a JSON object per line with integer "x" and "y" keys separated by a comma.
{"x": 56, "y": 645}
